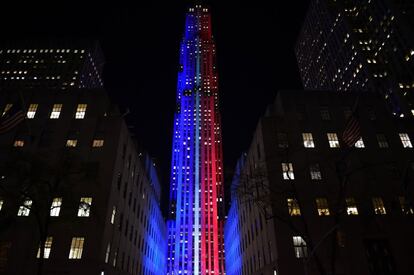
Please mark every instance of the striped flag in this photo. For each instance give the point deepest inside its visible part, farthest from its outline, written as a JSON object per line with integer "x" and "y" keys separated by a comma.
{"x": 11, "y": 118}
{"x": 352, "y": 131}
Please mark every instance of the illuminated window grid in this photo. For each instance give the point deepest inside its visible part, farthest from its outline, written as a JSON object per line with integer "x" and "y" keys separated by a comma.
{"x": 351, "y": 207}
{"x": 31, "y": 112}
{"x": 81, "y": 111}
{"x": 96, "y": 143}
{"x": 378, "y": 205}
{"x": 293, "y": 206}
{"x": 55, "y": 208}
{"x": 287, "y": 170}
{"x": 71, "y": 143}
{"x": 322, "y": 206}
{"x": 47, "y": 248}
{"x": 308, "y": 140}
{"x": 405, "y": 140}
{"x": 24, "y": 210}
{"x": 333, "y": 140}
{"x": 76, "y": 248}
{"x": 85, "y": 207}
{"x": 56, "y": 109}
{"x": 18, "y": 143}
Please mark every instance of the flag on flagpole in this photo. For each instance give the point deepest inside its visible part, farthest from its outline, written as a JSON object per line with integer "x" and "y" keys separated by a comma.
{"x": 352, "y": 130}
{"x": 11, "y": 118}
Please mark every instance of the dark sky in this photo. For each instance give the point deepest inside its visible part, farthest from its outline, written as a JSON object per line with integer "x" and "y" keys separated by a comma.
{"x": 254, "y": 52}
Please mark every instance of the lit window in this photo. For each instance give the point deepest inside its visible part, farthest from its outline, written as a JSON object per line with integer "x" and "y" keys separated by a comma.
{"x": 108, "y": 251}
{"x": 325, "y": 115}
{"x": 405, "y": 140}
{"x": 31, "y": 112}
{"x": 406, "y": 206}
{"x": 24, "y": 210}
{"x": 293, "y": 207}
{"x": 322, "y": 205}
{"x": 55, "y": 114}
{"x": 76, "y": 248}
{"x": 113, "y": 214}
{"x": 359, "y": 143}
{"x": 18, "y": 143}
{"x": 287, "y": 169}
{"x": 97, "y": 143}
{"x": 48, "y": 248}
{"x": 382, "y": 141}
{"x": 55, "y": 208}
{"x": 84, "y": 207}
{"x": 308, "y": 140}
{"x": 71, "y": 142}
{"x": 80, "y": 111}
{"x": 6, "y": 109}
{"x": 333, "y": 140}
{"x": 351, "y": 208}
{"x": 299, "y": 246}
{"x": 1, "y": 204}
{"x": 282, "y": 140}
{"x": 315, "y": 171}
{"x": 378, "y": 205}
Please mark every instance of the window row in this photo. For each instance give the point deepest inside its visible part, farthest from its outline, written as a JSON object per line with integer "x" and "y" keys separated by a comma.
{"x": 308, "y": 141}
{"x": 84, "y": 208}
{"x": 54, "y": 113}
{"x": 351, "y": 206}
{"x": 75, "y": 252}
{"x": 71, "y": 143}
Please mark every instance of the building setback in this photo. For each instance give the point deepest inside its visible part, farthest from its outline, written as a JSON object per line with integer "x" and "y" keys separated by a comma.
{"x": 72, "y": 176}
{"x": 51, "y": 64}
{"x": 302, "y": 200}
{"x": 359, "y": 46}
{"x": 196, "y": 215}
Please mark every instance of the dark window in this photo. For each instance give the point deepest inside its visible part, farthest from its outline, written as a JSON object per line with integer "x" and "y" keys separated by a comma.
{"x": 379, "y": 257}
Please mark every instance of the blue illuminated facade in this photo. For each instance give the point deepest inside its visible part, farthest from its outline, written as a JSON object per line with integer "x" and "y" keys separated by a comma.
{"x": 196, "y": 217}
{"x": 232, "y": 228}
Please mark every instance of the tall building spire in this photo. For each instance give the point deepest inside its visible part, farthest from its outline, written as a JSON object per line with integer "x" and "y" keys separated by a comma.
{"x": 196, "y": 244}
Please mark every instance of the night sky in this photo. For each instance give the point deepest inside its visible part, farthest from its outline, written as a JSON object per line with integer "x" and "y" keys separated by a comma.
{"x": 141, "y": 45}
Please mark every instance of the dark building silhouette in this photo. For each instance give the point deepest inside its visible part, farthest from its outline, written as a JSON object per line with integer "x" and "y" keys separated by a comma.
{"x": 301, "y": 200}
{"x": 71, "y": 174}
{"x": 362, "y": 46}
{"x": 51, "y": 64}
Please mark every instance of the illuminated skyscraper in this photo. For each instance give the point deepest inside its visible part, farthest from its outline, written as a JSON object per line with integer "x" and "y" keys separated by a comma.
{"x": 360, "y": 45}
{"x": 196, "y": 243}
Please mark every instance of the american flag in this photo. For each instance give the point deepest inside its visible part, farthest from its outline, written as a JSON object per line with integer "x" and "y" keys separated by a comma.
{"x": 352, "y": 131}
{"x": 11, "y": 118}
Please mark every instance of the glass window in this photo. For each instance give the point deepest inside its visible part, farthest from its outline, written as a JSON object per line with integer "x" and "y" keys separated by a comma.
{"x": 308, "y": 140}
{"x": 85, "y": 207}
{"x": 76, "y": 248}
{"x": 359, "y": 143}
{"x": 81, "y": 111}
{"x": 315, "y": 171}
{"x": 299, "y": 246}
{"x": 282, "y": 140}
{"x": 55, "y": 208}
{"x": 55, "y": 114}
{"x": 351, "y": 208}
{"x": 378, "y": 205}
{"x": 31, "y": 112}
{"x": 322, "y": 205}
{"x": 406, "y": 206}
{"x": 293, "y": 207}
{"x": 1, "y": 204}
{"x": 24, "y": 210}
{"x": 325, "y": 115}
{"x": 382, "y": 141}
{"x": 6, "y": 108}
{"x": 108, "y": 252}
{"x": 97, "y": 143}
{"x": 18, "y": 143}
{"x": 113, "y": 214}
{"x": 405, "y": 140}
{"x": 333, "y": 140}
{"x": 71, "y": 142}
{"x": 48, "y": 248}
{"x": 287, "y": 170}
